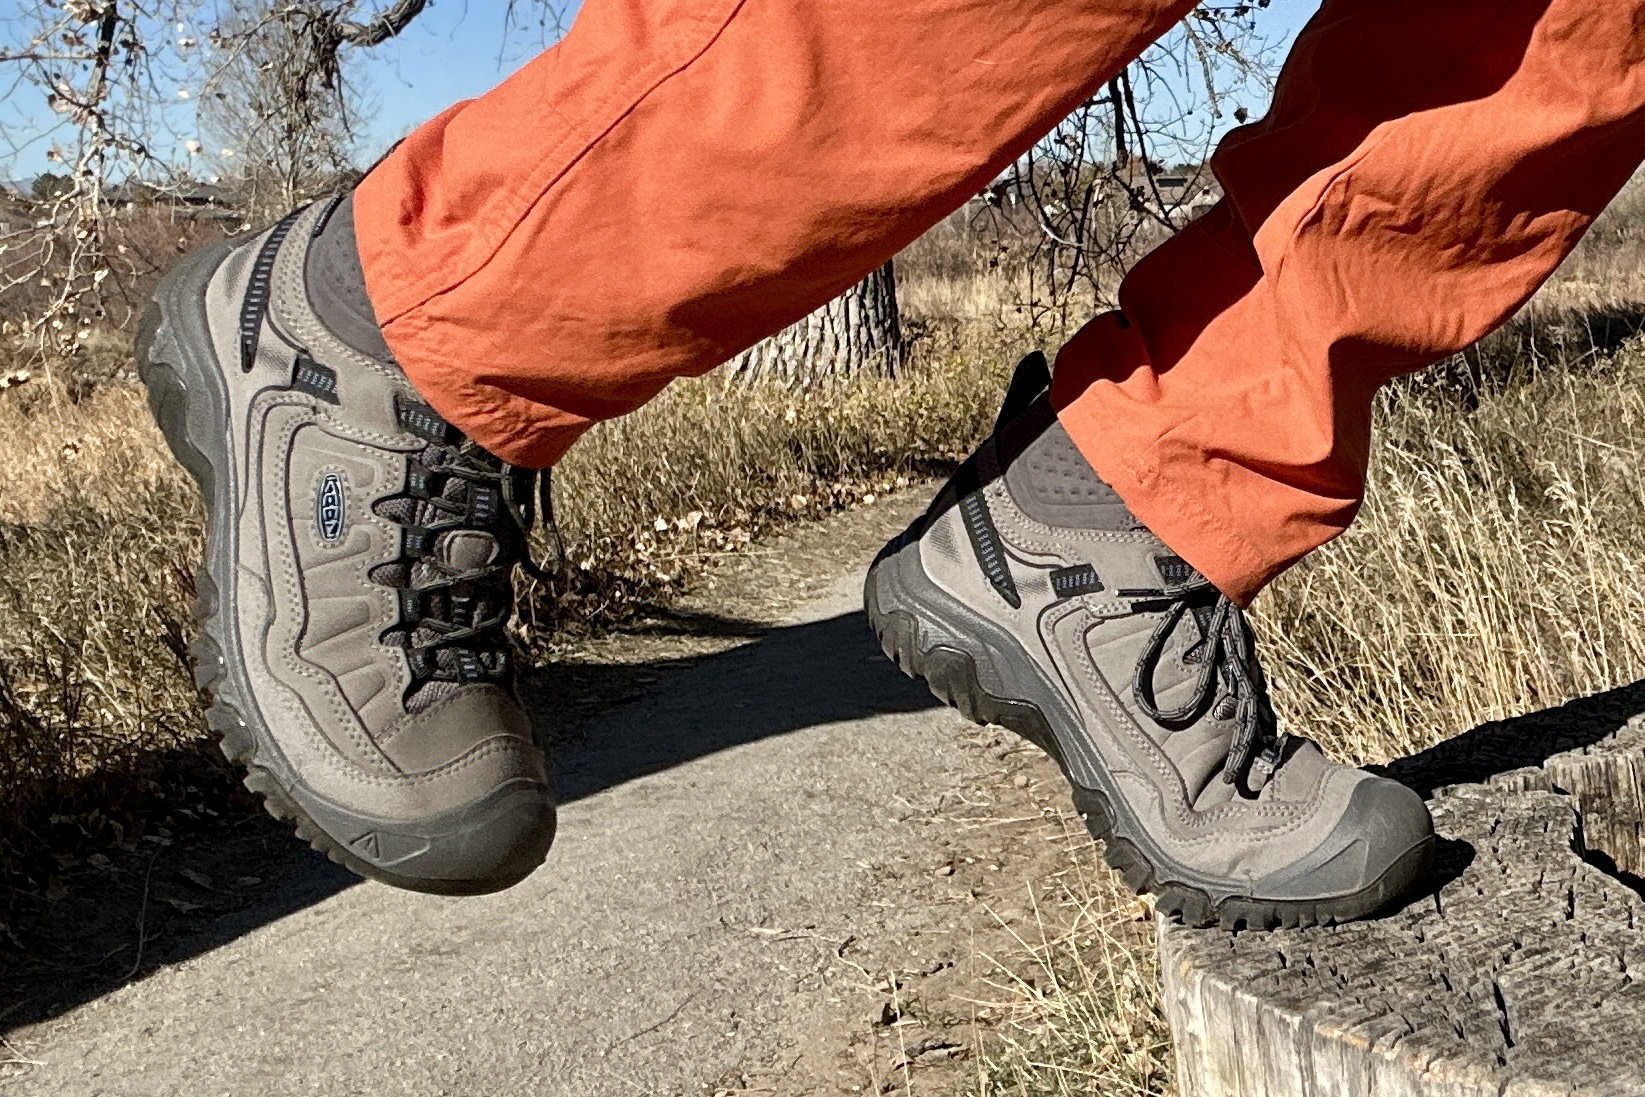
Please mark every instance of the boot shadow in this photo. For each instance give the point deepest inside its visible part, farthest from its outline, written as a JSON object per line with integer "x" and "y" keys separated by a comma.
{"x": 1501, "y": 746}
{"x": 124, "y": 914}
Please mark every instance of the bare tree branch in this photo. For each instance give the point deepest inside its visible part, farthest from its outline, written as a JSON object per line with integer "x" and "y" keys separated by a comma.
{"x": 382, "y": 26}
{"x": 1127, "y": 167}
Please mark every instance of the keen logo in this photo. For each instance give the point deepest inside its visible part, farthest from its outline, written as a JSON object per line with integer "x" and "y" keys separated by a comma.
{"x": 330, "y": 508}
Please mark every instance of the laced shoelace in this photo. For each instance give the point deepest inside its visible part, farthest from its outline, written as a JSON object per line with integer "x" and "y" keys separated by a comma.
{"x": 1228, "y": 653}
{"x": 453, "y": 617}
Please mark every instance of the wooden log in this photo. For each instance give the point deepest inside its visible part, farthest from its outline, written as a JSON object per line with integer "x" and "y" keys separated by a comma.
{"x": 1521, "y": 972}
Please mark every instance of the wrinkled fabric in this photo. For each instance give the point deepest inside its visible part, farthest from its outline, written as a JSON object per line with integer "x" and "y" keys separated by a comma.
{"x": 1422, "y": 170}
{"x": 675, "y": 181}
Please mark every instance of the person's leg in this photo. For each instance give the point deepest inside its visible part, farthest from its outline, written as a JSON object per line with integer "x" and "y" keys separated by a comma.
{"x": 676, "y": 180}
{"x": 1422, "y": 170}
{"x": 667, "y": 186}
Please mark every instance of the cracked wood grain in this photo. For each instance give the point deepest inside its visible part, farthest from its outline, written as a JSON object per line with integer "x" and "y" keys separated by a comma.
{"x": 1516, "y": 974}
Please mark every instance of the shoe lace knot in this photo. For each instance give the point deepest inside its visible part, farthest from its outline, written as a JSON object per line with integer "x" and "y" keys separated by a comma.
{"x": 466, "y": 519}
{"x": 1230, "y": 680}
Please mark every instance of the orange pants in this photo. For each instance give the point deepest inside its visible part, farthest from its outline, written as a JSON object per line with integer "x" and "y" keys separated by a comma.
{"x": 680, "y": 178}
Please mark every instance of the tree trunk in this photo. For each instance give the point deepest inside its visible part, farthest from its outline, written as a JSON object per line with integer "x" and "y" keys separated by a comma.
{"x": 1513, "y": 971}
{"x": 859, "y": 331}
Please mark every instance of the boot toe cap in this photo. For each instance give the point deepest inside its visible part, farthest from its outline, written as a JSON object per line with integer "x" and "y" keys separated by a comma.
{"x": 486, "y": 845}
{"x": 1379, "y": 847}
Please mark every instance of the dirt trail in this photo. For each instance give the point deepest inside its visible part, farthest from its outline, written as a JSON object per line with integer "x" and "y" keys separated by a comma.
{"x": 779, "y": 871}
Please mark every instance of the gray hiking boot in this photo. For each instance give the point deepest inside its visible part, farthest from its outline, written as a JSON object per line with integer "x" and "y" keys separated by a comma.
{"x": 357, "y": 578}
{"x": 1029, "y": 596}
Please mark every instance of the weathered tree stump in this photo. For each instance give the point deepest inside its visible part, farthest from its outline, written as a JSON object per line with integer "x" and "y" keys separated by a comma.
{"x": 1521, "y": 972}
{"x": 860, "y": 331}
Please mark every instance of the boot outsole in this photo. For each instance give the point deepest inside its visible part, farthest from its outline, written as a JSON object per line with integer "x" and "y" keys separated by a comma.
{"x": 232, "y": 714}
{"x": 951, "y": 675}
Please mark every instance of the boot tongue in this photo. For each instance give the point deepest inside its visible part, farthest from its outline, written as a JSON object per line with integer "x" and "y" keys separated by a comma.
{"x": 1032, "y": 377}
{"x": 336, "y": 284}
{"x": 467, "y": 550}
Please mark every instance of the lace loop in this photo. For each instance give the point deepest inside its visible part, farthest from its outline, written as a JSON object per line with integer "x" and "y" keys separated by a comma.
{"x": 1229, "y": 654}
{"x": 454, "y": 611}
{"x": 524, "y": 518}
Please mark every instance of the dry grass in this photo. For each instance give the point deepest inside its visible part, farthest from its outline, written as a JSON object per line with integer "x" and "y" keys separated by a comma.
{"x": 955, "y": 278}
{"x": 98, "y": 536}
{"x": 1606, "y": 271}
{"x": 1081, "y": 1011}
{"x": 1498, "y": 565}
{"x": 649, "y": 499}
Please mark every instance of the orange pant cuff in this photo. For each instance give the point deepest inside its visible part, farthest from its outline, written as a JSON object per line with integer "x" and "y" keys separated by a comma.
{"x": 1183, "y": 515}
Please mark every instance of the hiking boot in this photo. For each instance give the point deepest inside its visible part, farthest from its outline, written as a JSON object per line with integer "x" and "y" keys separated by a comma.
{"x": 358, "y": 571}
{"x": 1029, "y": 596}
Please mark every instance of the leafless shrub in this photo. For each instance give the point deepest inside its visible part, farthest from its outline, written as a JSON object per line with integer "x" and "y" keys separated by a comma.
{"x": 123, "y": 77}
{"x": 1126, "y": 168}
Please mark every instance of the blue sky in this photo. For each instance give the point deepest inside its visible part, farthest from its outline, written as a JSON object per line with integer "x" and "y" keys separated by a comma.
{"x": 455, "y": 50}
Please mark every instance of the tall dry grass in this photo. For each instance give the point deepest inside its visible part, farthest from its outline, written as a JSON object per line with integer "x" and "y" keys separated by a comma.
{"x": 98, "y": 536}
{"x": 710, "y": 457}
{"x": 958, "y": 277}
{"x": 1497, "y": 567}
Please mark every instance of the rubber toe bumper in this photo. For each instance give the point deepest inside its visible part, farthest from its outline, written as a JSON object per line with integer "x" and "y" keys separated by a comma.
{"x": 1382, "y": 843}
{"x": 485, "y": 846}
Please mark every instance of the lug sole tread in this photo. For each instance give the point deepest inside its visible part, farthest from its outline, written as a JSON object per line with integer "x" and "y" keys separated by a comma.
{"x": 951, "y": 675}
{"x": 168, "y": 401}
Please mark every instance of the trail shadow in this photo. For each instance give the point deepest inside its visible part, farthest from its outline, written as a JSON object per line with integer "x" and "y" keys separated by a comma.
{"x": 124, "y": 914}
{"x": 791, "y": 678}
{"x": 1519, "y": 741}
{"x": 1501, "y": 746}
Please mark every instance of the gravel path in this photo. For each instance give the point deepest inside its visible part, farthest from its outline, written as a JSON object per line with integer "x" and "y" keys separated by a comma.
{"x": 760, "y": 869}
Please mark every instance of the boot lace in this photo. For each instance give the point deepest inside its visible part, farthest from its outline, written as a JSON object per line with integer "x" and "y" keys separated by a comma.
{"x": 1230, "y": 678}
{"x": 466, "y": 520}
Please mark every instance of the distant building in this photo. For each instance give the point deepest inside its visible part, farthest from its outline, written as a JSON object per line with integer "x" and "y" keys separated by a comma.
{"x": 188, "y": 199}
{"x": 206, "y": 197}
{"x": 1187, "y": 191}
